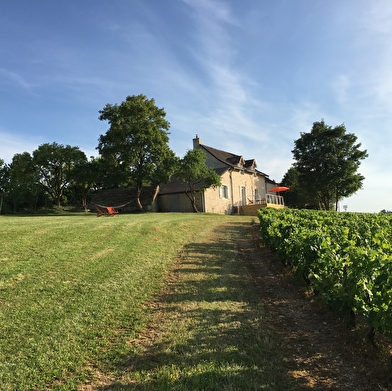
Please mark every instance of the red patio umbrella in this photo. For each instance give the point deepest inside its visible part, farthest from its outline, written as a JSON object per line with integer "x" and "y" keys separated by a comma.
{"x": 278, "y": 189}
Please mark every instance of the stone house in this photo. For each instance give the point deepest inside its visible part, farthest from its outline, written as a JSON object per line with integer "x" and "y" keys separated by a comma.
{"x": 243, "y": 190}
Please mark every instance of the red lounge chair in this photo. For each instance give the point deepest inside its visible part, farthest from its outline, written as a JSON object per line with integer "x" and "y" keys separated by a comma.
{"x": 111, "y": 210}
{"x": 100, "y": 212}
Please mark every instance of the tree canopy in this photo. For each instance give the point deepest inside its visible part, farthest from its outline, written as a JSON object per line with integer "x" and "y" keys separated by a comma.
{"x": 24, "y": 187}
{"x": 4, "y": 180}
{"x": 136, "y": 144}
{"x": 327, "y": 160}
{"x": 54, "y": 163}
{"x": 196, "y": 175}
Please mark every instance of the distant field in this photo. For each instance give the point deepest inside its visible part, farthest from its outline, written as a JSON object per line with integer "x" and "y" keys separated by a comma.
{"x": 72, "y": 289}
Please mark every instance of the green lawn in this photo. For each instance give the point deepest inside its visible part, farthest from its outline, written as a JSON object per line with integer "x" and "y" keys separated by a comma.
{"x": 75, "y": 289}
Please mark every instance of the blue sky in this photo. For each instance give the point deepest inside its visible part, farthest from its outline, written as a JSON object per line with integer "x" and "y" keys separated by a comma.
{"x": 246, "y": 76}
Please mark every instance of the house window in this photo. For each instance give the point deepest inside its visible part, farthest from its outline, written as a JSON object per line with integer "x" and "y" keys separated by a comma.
{"x": 224, "y": 191}
{"x": 257, "y": 195}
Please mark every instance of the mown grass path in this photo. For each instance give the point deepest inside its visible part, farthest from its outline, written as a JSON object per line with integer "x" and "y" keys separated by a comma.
{"x": 208, "y": 330}
{"x": 75, "y": 292}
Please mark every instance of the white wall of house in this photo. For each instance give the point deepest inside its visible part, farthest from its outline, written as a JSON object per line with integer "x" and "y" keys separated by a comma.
{"x": 238, "y": 188}
{"x": 247, "y": 187}
{"x": 219, "y": 200}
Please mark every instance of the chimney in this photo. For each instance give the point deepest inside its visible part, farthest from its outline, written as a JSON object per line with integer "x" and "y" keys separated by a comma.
{"x": 196, "y": 142}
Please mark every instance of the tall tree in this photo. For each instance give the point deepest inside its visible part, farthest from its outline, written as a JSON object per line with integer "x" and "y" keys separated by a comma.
{"x": 136, "y": 144}
{"x": 24, "y": 182}
{"x": 54, "y": 163}
{"x": 327, "y": 160}
{"x": 83, "y": 177}
{"x": 196, "y": 175}
{"x": 4, "y": 181}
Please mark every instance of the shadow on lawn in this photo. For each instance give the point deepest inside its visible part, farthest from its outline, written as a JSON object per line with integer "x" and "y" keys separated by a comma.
{"x": 222, "y": 341}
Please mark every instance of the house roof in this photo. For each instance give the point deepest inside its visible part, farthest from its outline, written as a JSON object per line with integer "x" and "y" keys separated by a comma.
{"x": 225, "y": 157}
{"x": 232, "y": 160}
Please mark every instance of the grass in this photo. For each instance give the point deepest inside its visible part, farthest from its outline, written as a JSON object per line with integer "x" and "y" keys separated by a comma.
{"x": 75, "y": 292}
{"x": 209, "y": 331}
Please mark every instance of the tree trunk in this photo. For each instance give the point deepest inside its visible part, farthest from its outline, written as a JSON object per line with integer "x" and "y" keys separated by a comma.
{"x": 57, "y": 198}
{"x": 1, "y": 203}
{"x": 192, "y": 199}
{"x": 138, "y": 192}
{"x": 194, "y": 206}
{"x": 84, "y": 203}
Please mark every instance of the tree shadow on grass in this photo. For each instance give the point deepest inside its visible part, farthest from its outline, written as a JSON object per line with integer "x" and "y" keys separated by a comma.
{"x": 221, "y": 340}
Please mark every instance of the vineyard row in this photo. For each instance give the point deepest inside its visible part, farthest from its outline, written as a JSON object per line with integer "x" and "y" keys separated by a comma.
{"x": 346, "y": 257}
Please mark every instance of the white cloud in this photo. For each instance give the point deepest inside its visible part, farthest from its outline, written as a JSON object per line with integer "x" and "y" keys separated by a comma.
{"x": 232, "y": 108}
{"x": 15, "y": 78}
{"x": 378, "y": 17}
{"x": 370, "y": 68}
{"x": 217, "y": 10}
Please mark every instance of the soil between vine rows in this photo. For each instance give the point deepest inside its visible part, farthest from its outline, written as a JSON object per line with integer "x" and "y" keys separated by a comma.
{"x": 321, "y": 352}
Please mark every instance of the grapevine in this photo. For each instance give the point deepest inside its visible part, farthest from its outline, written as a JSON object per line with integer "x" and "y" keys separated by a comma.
{"x": 346, "y": 257}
